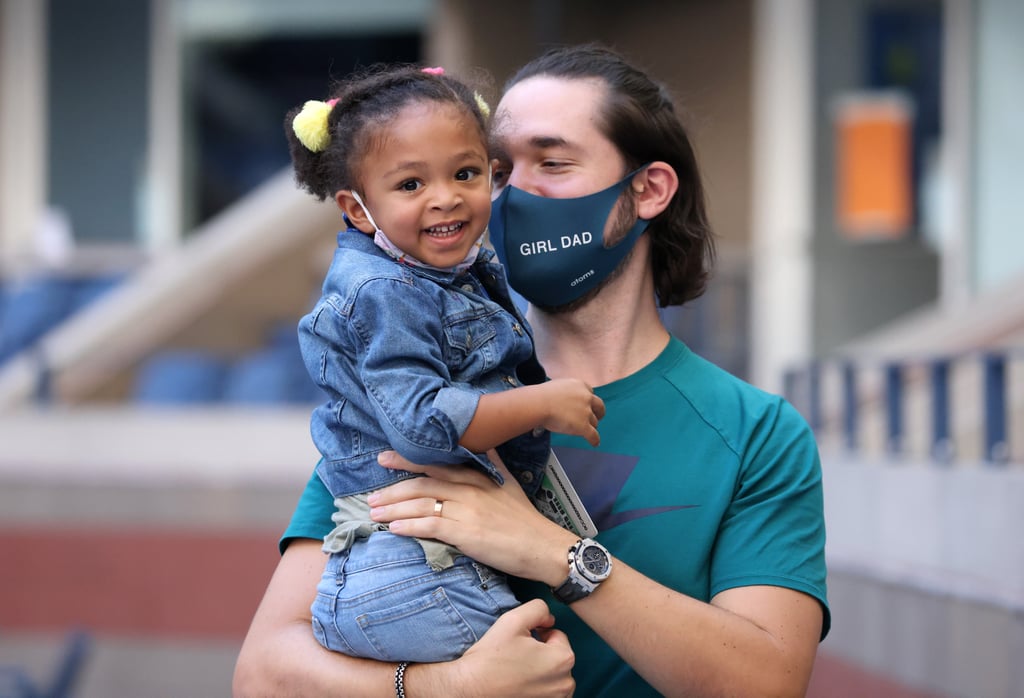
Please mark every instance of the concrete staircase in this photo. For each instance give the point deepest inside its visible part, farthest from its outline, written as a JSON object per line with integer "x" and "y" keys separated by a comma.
{"x": 254, "y": 266}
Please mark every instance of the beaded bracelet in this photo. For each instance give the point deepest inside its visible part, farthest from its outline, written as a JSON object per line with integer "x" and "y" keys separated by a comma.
{"x": 400, "y": 680}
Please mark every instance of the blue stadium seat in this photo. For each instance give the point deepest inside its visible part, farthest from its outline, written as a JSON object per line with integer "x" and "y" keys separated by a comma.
{"x": 87, "y": 290}
{"x": 270, "y": 376}
{"x": 275, "y": 374}
{"x": 285, "y": 335}
{"x": 15, "y": 682}
{"x": 286, "y": 339}
{"x": 29, "y": 308}
{"x": 180, "y": 377}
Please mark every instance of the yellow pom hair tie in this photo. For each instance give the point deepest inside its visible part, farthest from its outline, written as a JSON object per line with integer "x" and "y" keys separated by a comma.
{"x": 482, "y": 105}
{"x": 310, "y": 124}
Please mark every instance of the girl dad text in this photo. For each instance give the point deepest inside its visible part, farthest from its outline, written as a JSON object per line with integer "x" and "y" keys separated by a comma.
{"x": 566, "y": 241}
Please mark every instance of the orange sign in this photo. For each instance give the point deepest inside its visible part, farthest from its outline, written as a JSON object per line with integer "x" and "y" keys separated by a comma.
{"x": 874, "y": 197}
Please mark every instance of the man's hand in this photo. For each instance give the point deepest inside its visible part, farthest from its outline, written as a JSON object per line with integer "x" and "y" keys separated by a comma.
{"x": 493, "y": 524}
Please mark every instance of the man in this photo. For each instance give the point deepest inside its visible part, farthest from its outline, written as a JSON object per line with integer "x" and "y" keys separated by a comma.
{"x": 707, "y": 576}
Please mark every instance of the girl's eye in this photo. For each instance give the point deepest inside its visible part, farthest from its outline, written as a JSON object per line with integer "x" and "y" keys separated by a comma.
{"x": 409, "y": 185}
{"x": 467, "y": 174}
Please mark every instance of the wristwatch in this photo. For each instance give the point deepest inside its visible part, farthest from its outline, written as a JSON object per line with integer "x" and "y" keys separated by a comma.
{"x": 589, "y": 564}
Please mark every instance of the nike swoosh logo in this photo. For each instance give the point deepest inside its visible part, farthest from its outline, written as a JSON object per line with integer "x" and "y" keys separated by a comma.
{"x": 599, "y": 479}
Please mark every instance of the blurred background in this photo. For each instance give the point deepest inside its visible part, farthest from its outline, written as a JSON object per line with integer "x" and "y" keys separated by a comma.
{"x": 863, "y": 165}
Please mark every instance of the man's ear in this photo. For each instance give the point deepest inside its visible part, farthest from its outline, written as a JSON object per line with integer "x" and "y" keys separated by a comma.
{"x": 353, "y": 211}
{"x": 653, "y": 189}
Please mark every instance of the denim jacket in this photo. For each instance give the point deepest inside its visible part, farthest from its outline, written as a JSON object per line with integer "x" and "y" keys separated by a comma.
{"x": 404, "y": 354}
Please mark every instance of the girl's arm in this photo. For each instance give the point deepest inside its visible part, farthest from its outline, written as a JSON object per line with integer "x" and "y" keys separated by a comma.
{"x": 565, "y": 405}
{"x": 403, "y": 372}
{"x": 401, "y": 365}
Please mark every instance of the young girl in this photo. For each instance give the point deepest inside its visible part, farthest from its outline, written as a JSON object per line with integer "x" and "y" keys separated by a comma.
{"x": 420, "y": 349}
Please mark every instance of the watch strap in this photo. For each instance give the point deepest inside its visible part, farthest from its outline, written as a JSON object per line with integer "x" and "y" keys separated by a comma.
{"x": 570, "y": 591}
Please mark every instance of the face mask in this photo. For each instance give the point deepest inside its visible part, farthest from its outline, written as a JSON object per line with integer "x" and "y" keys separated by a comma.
{"x": 395, "y": 252}
{"x": 553, "y": 249}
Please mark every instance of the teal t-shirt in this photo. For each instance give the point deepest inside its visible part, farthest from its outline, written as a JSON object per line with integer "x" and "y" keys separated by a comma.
{"x": 701, "y": 482}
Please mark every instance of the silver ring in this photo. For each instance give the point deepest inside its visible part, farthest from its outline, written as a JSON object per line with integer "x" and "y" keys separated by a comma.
{"x": 438, "y": 506}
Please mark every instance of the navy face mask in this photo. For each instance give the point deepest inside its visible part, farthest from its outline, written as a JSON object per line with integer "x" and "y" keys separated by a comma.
{"x": 553, "y": 249}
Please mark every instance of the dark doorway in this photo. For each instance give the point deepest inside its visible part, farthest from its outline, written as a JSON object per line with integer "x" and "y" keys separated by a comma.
{"x": 237, "y": 93}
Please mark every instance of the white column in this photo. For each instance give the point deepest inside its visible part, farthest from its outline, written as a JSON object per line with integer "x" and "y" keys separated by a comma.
{"x": 160, "y": 227}
{"x": 956, "y": 170}
{"x": 448, "y": 37}
{"x": 22, "y": 126}
{"x": 782, "y": 207}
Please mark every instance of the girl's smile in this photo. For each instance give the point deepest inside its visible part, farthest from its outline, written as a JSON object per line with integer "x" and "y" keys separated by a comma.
{"x": 424, "y": 182}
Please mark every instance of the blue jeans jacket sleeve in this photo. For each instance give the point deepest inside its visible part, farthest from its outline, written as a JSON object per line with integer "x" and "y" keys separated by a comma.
{"x": 404, "y": 355}
{"x": 394, "y": 338}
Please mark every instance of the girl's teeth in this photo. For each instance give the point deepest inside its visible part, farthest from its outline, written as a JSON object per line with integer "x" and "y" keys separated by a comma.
{"x": 443, "y": 229}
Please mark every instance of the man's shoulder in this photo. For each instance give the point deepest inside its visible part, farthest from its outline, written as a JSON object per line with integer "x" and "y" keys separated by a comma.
{"x": 706, "y": 383}
{"x": 731, "y": 405}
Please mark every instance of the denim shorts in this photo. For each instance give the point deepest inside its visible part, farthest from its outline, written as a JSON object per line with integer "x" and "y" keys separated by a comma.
{"x": 381, "y": 600}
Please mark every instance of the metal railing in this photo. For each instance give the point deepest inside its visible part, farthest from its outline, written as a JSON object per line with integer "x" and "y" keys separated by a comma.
{"x": 951, "y": 407}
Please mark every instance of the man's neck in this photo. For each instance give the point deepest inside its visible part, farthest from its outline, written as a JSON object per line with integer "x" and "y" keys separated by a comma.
{"x": 611, "y": 337}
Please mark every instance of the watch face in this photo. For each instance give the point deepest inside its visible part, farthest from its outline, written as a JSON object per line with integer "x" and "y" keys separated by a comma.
{"x": 594, "y": 560}
{"x": 589, "y": 565}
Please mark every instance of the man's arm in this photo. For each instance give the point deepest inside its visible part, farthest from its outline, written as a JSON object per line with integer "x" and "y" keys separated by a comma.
{"x": 755, "y": 640}
{"x": 280, "y": 656}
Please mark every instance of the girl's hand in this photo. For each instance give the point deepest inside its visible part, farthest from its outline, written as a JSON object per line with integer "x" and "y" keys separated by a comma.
{"x": 572, "y": 408}
{"x": 495, "y": 525}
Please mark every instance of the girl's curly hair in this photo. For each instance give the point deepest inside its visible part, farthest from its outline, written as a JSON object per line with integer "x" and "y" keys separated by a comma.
{"x": 366, "y": 102}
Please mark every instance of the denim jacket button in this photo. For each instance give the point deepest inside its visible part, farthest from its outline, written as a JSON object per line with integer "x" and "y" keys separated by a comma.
{"x": 526, "y": 477}
{"x": 467, "y": 287}
{"x": 538, "y": 432}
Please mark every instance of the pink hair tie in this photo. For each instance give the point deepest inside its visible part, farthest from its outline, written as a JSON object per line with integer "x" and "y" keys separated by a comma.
{"x": 433, "y": 71}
